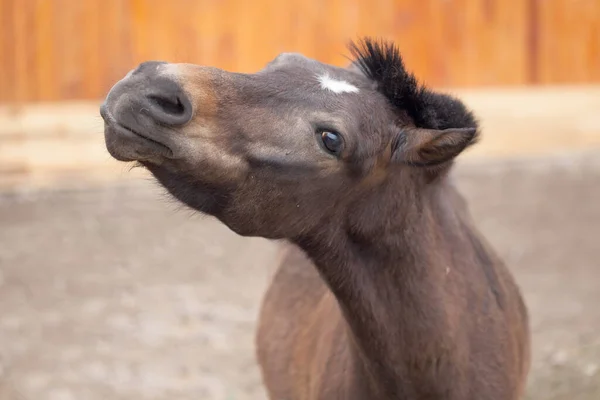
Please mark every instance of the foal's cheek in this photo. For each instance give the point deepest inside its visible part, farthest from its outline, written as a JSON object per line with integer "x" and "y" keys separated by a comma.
{"x": 210, "y": 164}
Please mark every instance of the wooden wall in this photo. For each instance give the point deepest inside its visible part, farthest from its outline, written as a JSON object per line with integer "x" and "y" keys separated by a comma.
{"x": 76, "y": 49}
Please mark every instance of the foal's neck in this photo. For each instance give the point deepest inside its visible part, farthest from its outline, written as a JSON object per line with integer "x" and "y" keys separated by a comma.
{"x": 387, "y": 269}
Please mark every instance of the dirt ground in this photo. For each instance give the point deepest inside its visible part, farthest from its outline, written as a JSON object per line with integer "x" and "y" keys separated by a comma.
{"x": 119, "y": 293}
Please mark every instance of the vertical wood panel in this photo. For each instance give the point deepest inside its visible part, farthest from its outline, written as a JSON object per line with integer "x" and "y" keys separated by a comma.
{"x": 111, "y": 42}
{"x": 119, "y": 47}
{"x": 247, "y": 29}
{"x": 409, "y": 24}
{"x": 480, "y": 42}
{"x": 7, "y": 49}
{"x": 141, "y": 29}
{"x": 204, "y": 33}
{"x": 228, "y": 45}
{"x": 90, "y": 35}
{"x": 46, "y": 63}
{"x": 24, "y": 51}
{"x": 69, "y": 21}
{"x": 67, "y": 49}
{"x": 569, "y": 41}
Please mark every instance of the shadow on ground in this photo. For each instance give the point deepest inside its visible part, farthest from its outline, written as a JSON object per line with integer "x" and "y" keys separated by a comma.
{"x": 119, "y": 293}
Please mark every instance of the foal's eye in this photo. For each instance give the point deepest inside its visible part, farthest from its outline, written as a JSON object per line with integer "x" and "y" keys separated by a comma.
{"x": 332, "y": 141}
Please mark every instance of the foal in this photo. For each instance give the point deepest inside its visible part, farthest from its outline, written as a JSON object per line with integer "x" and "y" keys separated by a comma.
{"x": 385, "y": 289}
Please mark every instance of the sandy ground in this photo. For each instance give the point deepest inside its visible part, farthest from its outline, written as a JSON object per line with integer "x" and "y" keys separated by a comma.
{"x": 119, "y": 293}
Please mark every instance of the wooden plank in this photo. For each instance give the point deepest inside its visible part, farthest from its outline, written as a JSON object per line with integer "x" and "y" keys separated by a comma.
{"x": 72, "y": 50}
{"x": 23, "y": 16}
{"x": 46, "y": 62}
{"x": 118, "y": 43}
{"x": 141, "y": 29}
{"x": 206, "y": 32}
{"x": 8, "y": 51}
{"x": 415, "y": 33}
{"x": 257, "y": 41}
{"x": 91, "y": 35}
{"x": 480, "y": 42}
{"x": 68, "y": 49}
{"x": 66, "y": 139}
{"x": 454, "y": 42}
{"x": 568, "y": 32}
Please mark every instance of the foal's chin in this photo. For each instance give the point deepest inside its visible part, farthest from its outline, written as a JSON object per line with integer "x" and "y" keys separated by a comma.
{"x": 129, "y": 146}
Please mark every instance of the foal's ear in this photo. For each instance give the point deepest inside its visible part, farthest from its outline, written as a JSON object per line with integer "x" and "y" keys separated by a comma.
{"x": 431, "y": 147}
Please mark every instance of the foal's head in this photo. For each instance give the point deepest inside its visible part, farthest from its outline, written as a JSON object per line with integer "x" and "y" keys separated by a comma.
{"x": 281, "y": 151}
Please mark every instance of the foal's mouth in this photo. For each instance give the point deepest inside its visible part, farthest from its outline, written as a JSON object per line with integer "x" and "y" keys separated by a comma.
{"x": 124, "y": 130}
{"x": 128, "y": 138}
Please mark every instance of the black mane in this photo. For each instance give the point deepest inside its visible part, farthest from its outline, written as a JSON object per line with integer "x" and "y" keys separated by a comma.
{"x": 381, "y": 61}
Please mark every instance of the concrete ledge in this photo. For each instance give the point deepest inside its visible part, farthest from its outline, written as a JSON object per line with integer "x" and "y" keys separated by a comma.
{"x": 63, "y": 143}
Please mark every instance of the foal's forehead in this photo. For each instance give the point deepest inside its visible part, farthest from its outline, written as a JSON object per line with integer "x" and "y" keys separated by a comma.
{"x": 322, "y": 76}
{"x": 294, "y": 60}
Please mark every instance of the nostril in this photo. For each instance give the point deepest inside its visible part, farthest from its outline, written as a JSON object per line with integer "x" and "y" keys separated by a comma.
{"x": 170, "y": 105}
{"x": 167, "y": 103}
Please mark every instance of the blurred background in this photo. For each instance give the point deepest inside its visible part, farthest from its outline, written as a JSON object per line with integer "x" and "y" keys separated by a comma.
{"x": 111, "y": 290}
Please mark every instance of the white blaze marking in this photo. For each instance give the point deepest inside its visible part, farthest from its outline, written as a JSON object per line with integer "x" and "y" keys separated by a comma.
{"x": 336, "y": 86}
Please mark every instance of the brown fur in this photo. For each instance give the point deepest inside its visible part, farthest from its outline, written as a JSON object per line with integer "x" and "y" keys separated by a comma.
{"x": 385, "y": 288}
{"x": 449, "y": 321}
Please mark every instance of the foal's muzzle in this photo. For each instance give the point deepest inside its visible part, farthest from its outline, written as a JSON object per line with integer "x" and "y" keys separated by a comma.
{"x": 141, "y": 111}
